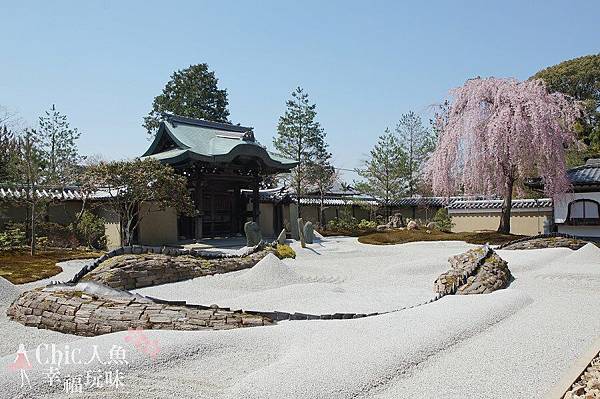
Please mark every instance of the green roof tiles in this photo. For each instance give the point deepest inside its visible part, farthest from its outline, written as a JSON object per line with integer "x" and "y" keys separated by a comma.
{"x": 180, "y": 139}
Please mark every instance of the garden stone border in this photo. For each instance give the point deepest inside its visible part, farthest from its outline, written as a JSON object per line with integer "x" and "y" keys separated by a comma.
{"x": 574, "y": 374}
{"x": 281, "y": 316}
{"x": 61, "y": 314}
{"x": 164, "y": 250}
{"x": 79, "y": 313}
{"x": 547, "y": 235}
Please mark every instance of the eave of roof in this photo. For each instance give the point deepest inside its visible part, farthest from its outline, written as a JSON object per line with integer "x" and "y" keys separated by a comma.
{"x": 51, "y": 193}
{"x": 211, "y": 142}
{"x": 582, "y": 178}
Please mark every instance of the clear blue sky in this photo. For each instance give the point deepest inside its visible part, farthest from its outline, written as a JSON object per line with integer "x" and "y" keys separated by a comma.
{"x": 363, "y": 63}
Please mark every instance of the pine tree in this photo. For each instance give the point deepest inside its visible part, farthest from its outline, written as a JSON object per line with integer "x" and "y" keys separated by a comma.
{"x": 417, "y": 142}
{"x": 384, "y": 172}
{"x": 58, "y": 147}
{"x": 191, "y": 92}
{"x": 8, "y": 155}
{"x": 30, "y": 160}
{"x": 301, "y": 138}
{"x": 322, "y": 176}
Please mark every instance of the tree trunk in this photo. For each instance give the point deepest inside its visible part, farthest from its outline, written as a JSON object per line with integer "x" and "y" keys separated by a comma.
{"x": 298, "y": 187}
{"x": 321, "y": 206}
{"x": 33, "y": 228}
{"x": 506, "y": 208}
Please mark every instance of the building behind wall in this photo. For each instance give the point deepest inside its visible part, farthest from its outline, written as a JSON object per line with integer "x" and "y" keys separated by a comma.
{"x": 578, "y": 212}
{"x": 528, "y": 216}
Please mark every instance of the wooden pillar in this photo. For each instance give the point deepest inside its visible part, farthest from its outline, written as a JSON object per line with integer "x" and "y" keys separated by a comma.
{"x": 199, "y": 197}
{"x": 255, "y": 200}
{"x": 236, "y": 213}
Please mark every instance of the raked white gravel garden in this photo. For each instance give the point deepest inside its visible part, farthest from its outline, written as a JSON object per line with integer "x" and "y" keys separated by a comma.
{"x": 513, "y": 343}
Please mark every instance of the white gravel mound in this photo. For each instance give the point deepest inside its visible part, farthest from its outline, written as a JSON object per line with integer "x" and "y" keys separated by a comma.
{"x": 269, "y": 272}
{"x": 8, "y": 292}
{"x": 513, "y": 343}
{"x": 588, "y": 254}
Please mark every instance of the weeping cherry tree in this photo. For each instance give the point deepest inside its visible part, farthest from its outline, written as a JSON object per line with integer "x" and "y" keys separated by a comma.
{"x": 500, "y": 132}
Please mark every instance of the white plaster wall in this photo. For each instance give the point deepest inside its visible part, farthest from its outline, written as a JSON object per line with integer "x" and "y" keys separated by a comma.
{"x": 580, "y": 231}
{"x": 561, "y": 204}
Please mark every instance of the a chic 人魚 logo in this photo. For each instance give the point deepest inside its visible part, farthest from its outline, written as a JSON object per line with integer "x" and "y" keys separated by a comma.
{"x": 97, "y": 368}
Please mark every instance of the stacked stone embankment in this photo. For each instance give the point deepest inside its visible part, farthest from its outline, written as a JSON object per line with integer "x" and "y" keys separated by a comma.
{"x": 588, "y": 384}
{"x": 133, "y": 271}
{"x": 76, "y": 312}
{"x": 553, "y": 240}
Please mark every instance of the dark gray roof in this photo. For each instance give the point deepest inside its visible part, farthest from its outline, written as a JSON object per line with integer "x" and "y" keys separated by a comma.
{"x": 586, "y": 175}
{"x": 497, "y": 204}
{"x": 423, "y": 201}
{"x": 272, "y": 196}
{"x": 583, "y": 178}
{"x": 53, "y": 193}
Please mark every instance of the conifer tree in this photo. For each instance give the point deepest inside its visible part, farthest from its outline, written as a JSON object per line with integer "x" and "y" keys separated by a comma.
{"x": 384, "y": 172}
{"x": 300, "y": 137}
{"x": 59, "y": 147}
{"x": 417, "y": 142}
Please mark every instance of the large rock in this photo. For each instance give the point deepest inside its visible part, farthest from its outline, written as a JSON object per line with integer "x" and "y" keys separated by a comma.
{"x": 382, "y": 227}
{"x": 301, "y": 232}
{"x": 477, "y": 271}
{"x": 281, "y": 237}
{"x": 395, "y": 221}
{"x": 309, "y": 232}
{"x": 253, "y": 234}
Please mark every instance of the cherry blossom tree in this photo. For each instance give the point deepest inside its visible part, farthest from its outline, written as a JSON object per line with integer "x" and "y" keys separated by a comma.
{"x": 500, "y": 132}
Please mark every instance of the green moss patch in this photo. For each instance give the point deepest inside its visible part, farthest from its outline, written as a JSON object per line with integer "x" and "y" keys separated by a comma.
{"x": 404, "y": 236}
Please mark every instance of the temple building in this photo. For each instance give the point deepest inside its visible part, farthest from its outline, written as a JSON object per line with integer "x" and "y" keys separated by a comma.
{"x": 223, "y": 163}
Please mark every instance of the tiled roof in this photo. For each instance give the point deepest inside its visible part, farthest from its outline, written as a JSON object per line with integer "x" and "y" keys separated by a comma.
{"x": 333, "y": 201}
{"x": 181, "y": 139}
{"x": 497, "y": 204}
{"x": 61, "y": 194}
{"x": 581, "y": 177}
{"x": 588, "y": 174}
{"x": 423, "y": 201}
{"x": 275, "y": 195}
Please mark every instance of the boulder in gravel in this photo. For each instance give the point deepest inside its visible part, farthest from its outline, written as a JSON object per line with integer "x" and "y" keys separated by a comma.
{"x": 309, "y": 232}
{"x": 253, "y": 234}
{"x": 301, "y": 232}
{"x": 281, "y": 237}
{"x": 477, "y": 271}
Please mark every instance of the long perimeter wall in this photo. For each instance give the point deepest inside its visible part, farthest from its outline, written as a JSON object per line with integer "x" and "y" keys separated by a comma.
{"x": 523, "y": 222}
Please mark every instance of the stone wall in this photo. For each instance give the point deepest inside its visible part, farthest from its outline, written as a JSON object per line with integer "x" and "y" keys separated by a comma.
{"x": 165, "y": 250}
{"x": 76, "y": 312}
{"x": 131, "y": 271}
{"x": 587, "y": 385}
{"x": 547, "y": 242}
{"x": 477, "y": 271}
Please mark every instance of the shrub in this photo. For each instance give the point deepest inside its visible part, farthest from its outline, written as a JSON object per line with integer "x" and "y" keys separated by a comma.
{"x": 367, "y": 224}
{"x": 91, "y": 231}
{"x": 56, "y": 235}
{"x": 13, "y": 236}
{"x": 285, "y": 251}
{"x": 442, "y": 220}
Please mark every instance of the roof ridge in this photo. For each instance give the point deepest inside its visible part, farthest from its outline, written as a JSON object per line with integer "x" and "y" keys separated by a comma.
{"x": 225, "y": 126}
